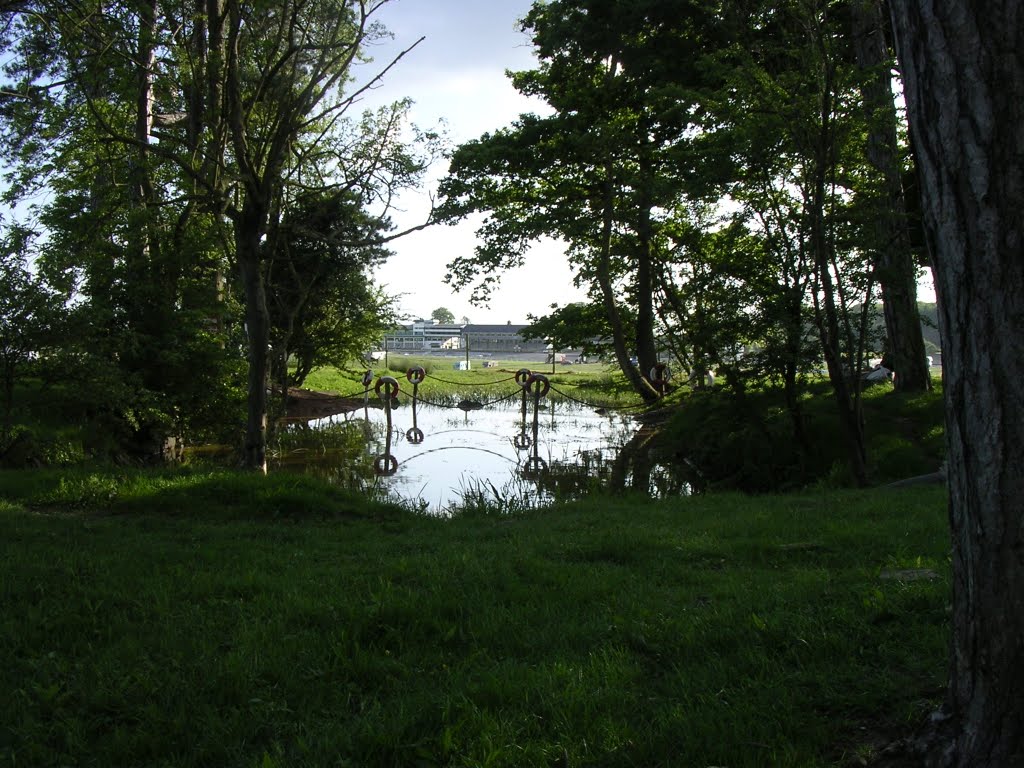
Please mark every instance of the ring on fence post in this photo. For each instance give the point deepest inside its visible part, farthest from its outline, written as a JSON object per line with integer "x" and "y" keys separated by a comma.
{"x": 660, "y": 374}
{"x": 414, "y": 435}
{"x": 523, "y": 377}
{"x": 522, "y": 441}
{"x": 416, "y": 375}
{"x": 367, "y": 379}
{"x": 534, "y": 466}
{"x": 538, "y": 384}
{"x": 385, "y": 465}
{"x": 386, "y": 388}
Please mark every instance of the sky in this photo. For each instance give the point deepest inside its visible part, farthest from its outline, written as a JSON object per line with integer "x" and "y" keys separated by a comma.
{"x": 457, "y": 74}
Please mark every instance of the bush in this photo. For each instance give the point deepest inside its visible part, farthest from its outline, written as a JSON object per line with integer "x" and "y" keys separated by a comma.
{"x": 25, "y": 447}
{"x": 893, "y": 458}
{"x": 403, "y": 364}
{"x": 748, "y": 443}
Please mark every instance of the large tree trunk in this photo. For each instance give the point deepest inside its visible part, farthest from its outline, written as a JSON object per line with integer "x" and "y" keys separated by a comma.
{"x": 646, "y": 349}
{"x": 895, "y": 267}
{"x": 963, "y": 68}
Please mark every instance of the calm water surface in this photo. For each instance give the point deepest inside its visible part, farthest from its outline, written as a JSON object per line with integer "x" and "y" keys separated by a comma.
{"x": 436, "y": 457}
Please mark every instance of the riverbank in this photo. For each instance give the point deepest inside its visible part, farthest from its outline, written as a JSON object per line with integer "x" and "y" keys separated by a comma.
{"x": 190, "y": 618}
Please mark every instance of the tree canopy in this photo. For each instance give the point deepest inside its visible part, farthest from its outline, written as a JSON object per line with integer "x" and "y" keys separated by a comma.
{"x": 726, "y": 178}
{"x": 710, "y": 170}
{"x": 443, "y": 315}
{"x": 210, "y": 182}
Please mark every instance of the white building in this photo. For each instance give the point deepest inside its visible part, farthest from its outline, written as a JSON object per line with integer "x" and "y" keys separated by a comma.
{"x": 425, "y": 336}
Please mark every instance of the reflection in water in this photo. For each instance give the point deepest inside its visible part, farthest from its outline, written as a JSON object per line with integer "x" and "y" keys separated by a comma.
{"x": 525, "y": 450}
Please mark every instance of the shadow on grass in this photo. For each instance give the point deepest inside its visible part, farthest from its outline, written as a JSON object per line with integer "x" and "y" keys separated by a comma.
{"x": 190, "y": 493}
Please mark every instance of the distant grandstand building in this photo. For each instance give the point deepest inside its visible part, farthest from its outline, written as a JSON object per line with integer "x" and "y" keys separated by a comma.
{"x": 425, "y": 336}
{"x": 499, "y": 338}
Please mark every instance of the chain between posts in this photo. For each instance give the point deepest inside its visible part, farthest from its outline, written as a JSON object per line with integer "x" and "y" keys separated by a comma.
{"x": 524, "y": 378}
{"x": 538, "y": 385}
{"x": 387, "y": 389}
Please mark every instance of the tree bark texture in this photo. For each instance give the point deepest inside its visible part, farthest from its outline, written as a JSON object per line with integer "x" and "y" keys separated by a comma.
{"x": 963, "y": 69}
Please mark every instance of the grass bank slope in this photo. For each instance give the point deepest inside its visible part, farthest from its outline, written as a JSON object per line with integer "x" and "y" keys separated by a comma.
{"x": 156, "y": 624}
{"x": 748, "y": 443}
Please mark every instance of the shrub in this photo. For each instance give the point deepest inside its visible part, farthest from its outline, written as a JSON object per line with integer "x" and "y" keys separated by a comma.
{"x": 24, "y": 447}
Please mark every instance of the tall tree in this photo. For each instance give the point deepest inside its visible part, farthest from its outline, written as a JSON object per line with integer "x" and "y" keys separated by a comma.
{"x": 249, "y": 102}
{"x": 963, "y": 74}
{"x": 29, "y": 319}
{"x": 793, "y": 123}
{"x": 442, "y": 315}
{"x": 323, "y": 307}
{"x": 602, "y": 172}
{"x": 896, "y": 271}
{"x": 129, "y": 250}
{"x": 283, "y": 78}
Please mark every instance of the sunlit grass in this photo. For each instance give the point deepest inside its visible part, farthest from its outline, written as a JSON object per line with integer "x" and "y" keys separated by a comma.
{"x": 594, "y": 384}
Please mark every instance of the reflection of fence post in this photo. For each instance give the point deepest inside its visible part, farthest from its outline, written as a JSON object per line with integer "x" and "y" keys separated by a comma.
{"x": 387, "y": 390}
{"x": 383, "y": 463}
{"x": 387, "y": 418}
{"x": 415, "y": 375}
{"x": 539, "y": 385}
{"x": 524, "y": 438}
{"x": 523, "y": 380}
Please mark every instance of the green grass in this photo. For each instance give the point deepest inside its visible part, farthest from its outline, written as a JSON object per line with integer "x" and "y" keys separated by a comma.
{"x": 593, "y": 383}
{"x": 194, "y": 619}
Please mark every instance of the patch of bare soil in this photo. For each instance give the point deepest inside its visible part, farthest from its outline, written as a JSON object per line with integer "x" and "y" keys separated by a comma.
{"x": 883, "y": 745}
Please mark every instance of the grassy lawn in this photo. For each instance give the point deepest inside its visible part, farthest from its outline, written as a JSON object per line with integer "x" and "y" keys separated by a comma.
{"x": 212, "y": 619}
{"x": 593, "y": 383}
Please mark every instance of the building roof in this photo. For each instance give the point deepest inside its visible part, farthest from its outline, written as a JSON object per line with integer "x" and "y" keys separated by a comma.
{"x": 498, "y": 328}
{"x": 437, "y": 329}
